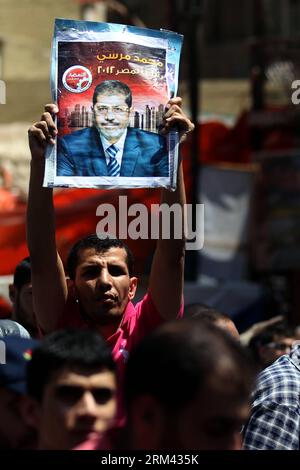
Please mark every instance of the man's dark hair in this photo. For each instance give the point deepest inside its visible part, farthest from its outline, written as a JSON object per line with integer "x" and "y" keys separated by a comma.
{"x": 111, "y": 87}
{"x": 173, "y": 364}
{"x": 269, "y": 335}
{"x": 22, "y": 274}
{"x": 101, "y": 245}
{"x": 67, "y": 348}
{"x": 205, "y": 313}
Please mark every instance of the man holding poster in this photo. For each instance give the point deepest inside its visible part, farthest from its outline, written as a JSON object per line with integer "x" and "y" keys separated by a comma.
{"x": 101, "y": 284}
{"x": 110, "y": 147}
{"x": 111, "y": 83}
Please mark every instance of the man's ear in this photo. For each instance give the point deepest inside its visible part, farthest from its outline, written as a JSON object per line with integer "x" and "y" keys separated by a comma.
{"x": 30, "y": 411}
{"x": 132, "y": 287}
{"x": 12, "y": 293}
{"x": 71, "y": 287}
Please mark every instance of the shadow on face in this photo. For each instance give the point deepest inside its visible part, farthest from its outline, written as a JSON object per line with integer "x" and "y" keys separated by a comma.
{"x": 76, "y": 405}
{"x": 212, "y": 420}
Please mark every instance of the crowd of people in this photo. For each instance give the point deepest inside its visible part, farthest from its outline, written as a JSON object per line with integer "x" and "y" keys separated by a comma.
{"x": 87, "y": 368}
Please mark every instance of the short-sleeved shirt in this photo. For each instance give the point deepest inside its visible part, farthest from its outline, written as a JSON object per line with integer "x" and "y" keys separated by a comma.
{"x": 274, "y": 423}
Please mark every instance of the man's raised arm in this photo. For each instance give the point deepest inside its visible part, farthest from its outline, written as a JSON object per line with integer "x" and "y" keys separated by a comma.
{"x": 167, "y": 272}
{"x": 48, "y": 278}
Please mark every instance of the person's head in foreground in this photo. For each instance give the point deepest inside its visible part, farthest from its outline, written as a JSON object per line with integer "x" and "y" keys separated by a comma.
{"x": 72, "y": 388}
{"x": 15, "y": 433}
{"x": 187, "y": 387}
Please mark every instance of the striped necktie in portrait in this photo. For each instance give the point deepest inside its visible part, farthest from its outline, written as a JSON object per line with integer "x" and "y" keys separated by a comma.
{"x": 113, "y": 167}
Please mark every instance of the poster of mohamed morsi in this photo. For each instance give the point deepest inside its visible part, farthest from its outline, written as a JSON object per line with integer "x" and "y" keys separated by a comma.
{"x": 111, "y": 83}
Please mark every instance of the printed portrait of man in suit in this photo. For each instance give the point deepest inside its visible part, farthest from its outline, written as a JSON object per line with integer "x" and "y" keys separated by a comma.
{"x": 110, "y": 147}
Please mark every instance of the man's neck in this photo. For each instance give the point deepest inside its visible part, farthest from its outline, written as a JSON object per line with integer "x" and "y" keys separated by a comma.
{"x": 105, "y": 330}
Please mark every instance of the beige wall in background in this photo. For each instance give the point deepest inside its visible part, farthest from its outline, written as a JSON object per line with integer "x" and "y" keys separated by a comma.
{"x": 26, "y": 29}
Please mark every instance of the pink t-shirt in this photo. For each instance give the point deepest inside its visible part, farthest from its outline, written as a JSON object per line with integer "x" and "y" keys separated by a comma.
{"x": 138, "y": 321}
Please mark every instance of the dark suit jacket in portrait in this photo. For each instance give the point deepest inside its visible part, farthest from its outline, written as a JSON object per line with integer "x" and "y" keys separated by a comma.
{"x": 81, "y": 154}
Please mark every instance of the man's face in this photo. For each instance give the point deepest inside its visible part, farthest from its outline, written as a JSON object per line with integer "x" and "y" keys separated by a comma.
{"x": 212, "y": 421}
{"x": 103, "y": 285}
{"x": 14, "y": 433}
{"x": 111, "y": 115}
{"x": 270, "y": 352}
{"x": 77, "y": 405}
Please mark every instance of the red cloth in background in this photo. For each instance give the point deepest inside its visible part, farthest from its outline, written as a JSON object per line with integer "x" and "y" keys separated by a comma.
{"x": 5, "y": 308}
{"x": 75, "y": 218}
{"x": 76, "y": 208}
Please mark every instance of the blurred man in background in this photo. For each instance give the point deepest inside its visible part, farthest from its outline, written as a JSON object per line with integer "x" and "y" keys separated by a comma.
{"x": 211, "y": 315}
{"x": 274, "y": 341}
{"x": 20, "y": 293}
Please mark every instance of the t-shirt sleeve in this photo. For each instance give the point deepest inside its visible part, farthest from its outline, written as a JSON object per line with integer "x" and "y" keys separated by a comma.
{"x": 147, "y": 319}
